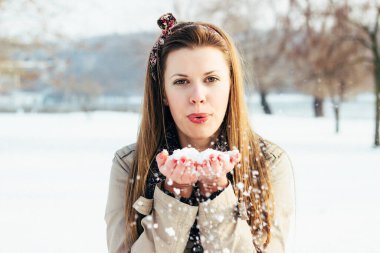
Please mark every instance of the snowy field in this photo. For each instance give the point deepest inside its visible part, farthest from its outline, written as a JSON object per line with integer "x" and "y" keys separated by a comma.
{"x": 54, "y": 171}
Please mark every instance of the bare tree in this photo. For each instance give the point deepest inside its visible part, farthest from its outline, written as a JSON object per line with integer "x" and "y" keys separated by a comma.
{"x": 326, "y": 65}
{"x": 362, "y": 19}
{"x": 305, "y": 44}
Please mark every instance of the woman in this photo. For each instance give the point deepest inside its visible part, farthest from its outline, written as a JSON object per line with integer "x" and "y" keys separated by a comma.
{"x": 194, "y": 97}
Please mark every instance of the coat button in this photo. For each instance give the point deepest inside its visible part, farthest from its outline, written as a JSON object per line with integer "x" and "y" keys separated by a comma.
{"x": 197, "y": 249}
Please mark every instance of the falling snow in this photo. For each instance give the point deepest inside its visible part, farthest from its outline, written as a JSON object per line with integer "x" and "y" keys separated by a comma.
{"x": 240, "y": 185}
{"x": 170, "y": 231}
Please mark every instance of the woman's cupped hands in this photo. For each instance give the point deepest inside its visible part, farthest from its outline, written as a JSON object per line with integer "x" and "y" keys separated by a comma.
{"x": 184, "y": 173}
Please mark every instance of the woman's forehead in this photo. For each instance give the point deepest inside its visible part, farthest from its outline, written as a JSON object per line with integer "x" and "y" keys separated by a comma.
{"x": 200, "y": 59}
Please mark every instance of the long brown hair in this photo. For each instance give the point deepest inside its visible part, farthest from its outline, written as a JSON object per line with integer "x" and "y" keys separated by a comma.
{"x": 253, "y": 170}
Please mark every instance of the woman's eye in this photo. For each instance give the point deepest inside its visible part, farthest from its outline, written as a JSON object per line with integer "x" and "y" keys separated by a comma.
{"x": 180, "y": 82}
{"x": 211, "y": 79}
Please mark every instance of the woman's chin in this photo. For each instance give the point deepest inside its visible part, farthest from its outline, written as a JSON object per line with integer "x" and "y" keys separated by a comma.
{"x": 201, "y": 134}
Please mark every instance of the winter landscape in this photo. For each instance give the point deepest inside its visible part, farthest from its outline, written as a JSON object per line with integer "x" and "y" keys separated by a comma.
{"x": 71, "y": 81}
{"x": 54, "y": 171}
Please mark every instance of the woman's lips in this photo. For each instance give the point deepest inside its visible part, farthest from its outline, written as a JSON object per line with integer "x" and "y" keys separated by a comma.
{"x": 198, "y": 118}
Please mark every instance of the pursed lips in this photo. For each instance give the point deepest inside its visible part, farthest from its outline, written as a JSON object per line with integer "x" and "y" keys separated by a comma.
{"x": 198, "y": 118}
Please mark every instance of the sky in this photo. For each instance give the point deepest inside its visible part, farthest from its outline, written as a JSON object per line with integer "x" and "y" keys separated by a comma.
{"x": 78, "y": 19}
{"x": 85, "y": 18}
{"x": 50, "y": 19}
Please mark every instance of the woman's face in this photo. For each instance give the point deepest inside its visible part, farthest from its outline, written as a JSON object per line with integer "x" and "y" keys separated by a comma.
{"x": 197, "y": 86}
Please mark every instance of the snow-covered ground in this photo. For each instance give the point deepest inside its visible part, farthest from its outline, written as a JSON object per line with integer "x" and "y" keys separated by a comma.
{"x": 54, "y": 171}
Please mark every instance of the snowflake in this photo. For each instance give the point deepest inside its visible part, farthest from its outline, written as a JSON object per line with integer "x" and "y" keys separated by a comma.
{"x": 240, "y": 185}
{"x": 170, "y": 231}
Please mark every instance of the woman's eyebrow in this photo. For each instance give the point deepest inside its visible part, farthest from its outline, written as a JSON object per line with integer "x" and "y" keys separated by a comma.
{"x": 207, "y": 73}
{"x": 184, "y": 75}
{"x": 179, "y": 75}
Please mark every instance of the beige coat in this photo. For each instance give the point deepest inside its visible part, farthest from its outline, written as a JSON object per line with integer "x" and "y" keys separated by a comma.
{"x": 167, "y": 223}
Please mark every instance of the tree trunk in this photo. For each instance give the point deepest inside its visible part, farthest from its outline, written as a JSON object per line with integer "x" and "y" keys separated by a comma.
{"x": 318, "y": 107}
{"x": 336, "y": 106}
{"x": 377, "y": 112}
{"x": 264, "y": 102}
{"x": 376, "y": 62}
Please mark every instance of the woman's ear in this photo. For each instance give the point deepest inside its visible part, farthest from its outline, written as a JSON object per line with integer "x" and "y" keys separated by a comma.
{"x": 165, "y": 101}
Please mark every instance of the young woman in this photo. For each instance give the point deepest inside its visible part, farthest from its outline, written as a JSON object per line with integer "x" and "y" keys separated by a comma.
{"x": 194, "y": 96}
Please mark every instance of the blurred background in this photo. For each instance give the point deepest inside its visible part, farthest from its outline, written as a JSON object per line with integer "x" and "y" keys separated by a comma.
{"x": 71, "y": 85}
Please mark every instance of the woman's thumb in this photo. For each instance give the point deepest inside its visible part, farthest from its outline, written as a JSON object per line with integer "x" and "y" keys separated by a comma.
{"x": 161, "y": 157}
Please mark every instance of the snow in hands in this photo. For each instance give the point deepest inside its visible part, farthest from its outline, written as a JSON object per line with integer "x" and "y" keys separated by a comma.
{"x": 187, "y": 166}
{"x": 200, "y": 157}
{"x": 204, "y": 160}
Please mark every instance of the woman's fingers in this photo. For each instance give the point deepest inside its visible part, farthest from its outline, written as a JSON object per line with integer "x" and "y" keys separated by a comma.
{"x": 187, "y": 176}
{"x": 178, "y": 171}
{"x": 207, "y": 172}
{"x": 162, "y": 157}
{"x": 168, "y": 168}
{"x": 181, "y": 172}
{"x": 235, "y": 158}
{"x": 216, "y": 166}
{"x": 202, "y": 171}
{"x": 229, "y": 165}
{"x": 226, "y": 166}
{"x": 194, "y": 175}
{"x": 185, "y": 172}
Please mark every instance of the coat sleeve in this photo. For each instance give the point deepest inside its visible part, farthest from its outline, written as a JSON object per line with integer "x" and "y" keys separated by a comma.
{"x": 284, "y": 206}
{"x": 115, "y": 208}
{"x": 165, "y": 229}
{"x": 219, "y": 228}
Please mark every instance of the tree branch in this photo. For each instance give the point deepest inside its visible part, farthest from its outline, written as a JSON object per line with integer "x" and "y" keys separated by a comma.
{"x": 361, "y": 41}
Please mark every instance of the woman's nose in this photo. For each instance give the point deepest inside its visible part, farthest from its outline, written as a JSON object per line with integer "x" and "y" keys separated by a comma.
{"x": 198, "y": 95}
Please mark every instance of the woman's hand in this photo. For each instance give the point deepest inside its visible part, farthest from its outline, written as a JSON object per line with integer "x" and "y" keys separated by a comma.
{"x": 213, "y": 173}
{"x": 180, "y": 175}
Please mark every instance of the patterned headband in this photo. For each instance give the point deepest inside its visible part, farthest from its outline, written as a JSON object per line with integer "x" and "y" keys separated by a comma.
{"x": 166, "y": 22}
